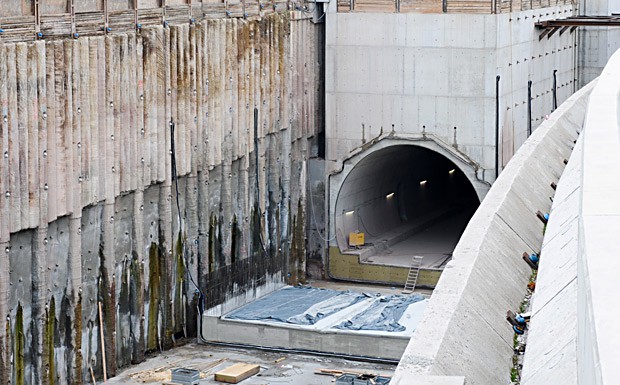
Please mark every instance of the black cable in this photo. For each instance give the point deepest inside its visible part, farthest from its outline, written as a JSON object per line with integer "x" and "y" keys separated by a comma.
{"x": 175, "y": 179}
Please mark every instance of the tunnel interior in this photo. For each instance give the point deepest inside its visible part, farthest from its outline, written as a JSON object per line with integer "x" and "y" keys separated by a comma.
{"x": 406, "y": 200}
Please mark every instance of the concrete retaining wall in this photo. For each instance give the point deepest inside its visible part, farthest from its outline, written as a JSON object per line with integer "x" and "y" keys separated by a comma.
{"x": 464, "y": 332}
{"x": 283, "y": 336}
{"x": 599, "y": 226}
{"x": 89, "y": 211}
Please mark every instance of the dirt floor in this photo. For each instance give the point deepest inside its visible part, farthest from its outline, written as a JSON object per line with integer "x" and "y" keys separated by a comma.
{"x": 275, "y": 368}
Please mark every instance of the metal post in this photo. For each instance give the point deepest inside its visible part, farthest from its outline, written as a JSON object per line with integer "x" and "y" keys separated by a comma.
{"x": 256, "y": 151}
{"x": 73, "y": 29}
{"x": 136, "y": 20}
{"x": 529, "y": 108}
{"x": 37, "y": 19}
{"x": 555, "y": 89}
{"x": 497, "y": 126}
{"x": 105, "y": 16}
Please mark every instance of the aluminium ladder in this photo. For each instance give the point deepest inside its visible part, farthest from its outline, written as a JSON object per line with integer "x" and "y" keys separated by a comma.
{"x": 412, "y": 277}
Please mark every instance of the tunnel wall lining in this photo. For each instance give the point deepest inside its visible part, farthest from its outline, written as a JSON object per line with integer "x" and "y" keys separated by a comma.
{"x": 463, "y": 331}
{"x": 337, "y": 180}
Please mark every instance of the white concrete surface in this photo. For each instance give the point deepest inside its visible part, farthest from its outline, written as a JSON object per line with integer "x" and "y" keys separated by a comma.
{"x": 430, "y": 73}
{"x": 598, "y": 237}
{"x": 551, "y": 353}
{"x": 463, "y": 331}
{"x": 597, "y": 44}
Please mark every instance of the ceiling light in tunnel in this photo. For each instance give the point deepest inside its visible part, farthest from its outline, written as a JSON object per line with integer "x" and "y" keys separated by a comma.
{"x": 452, "y": 171}
{"x": 349, "y": 212}
{"x": 389, "y": 195}
{"x": 423, "y": 182}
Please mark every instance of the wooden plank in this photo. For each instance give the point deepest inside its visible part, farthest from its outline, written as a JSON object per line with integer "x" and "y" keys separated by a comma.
{"x": 384, "y": 6}
{"x": 237, "y": 373}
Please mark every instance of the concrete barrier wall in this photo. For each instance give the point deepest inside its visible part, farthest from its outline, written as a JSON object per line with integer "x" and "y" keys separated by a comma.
{"x": 599, "y": 226}
{"x": 464, "y": 332}
{"x": 551, "y": 346}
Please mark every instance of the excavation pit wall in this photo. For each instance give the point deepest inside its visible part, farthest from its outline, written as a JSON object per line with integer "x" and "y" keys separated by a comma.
{"x": 90, "y": 213}
{"x": 463, "y": 333}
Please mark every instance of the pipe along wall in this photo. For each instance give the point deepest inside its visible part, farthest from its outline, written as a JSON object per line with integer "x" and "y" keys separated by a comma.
{"x": 89, "y": 208}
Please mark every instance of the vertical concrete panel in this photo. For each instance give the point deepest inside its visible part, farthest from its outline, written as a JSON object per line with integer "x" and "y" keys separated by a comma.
{"x": 12, "y": 120}
{"x": 92, "y": 251}
{"x": 32, "y": 128}
{"x": 5, "y": 148}
{"x": 126, "y": 167}
{"x": 20, "y": 313}
{"x": 4, "y": 224}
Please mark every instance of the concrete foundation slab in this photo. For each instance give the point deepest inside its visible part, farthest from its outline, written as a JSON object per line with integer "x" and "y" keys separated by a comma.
{"x": 323, "y": 336}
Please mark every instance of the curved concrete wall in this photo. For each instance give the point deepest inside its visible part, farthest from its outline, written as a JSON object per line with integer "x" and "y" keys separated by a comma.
{"x": 572, "y": 335}
{"x": 463, "y": 333}
{"x": 599, "y": 226}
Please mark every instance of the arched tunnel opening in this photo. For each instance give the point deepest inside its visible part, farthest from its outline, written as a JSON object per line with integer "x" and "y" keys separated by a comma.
{"x": 406, "y": 201}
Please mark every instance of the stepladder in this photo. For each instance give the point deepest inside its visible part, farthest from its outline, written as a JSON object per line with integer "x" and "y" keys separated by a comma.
{"x": 412, "y": 276}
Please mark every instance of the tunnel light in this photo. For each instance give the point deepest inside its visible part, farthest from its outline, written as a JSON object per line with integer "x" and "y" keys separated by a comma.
{"x": 349, "y": 212}
{"x": 452, "y": 171}
{"x": 389, "y": 195}
{"x": 423, "y": 182}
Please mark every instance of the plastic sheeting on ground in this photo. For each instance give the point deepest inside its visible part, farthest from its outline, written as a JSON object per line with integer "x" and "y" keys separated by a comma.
{"x": 383, "y": 314}
{"x": 297, "y": 305}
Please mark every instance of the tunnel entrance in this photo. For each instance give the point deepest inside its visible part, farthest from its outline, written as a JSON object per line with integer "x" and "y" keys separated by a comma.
{"x": 403, "y": 201}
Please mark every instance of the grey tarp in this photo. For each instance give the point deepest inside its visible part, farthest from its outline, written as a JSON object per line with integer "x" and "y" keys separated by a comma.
{"x": 383, "y": 314}
{"x": 297, "y": 305}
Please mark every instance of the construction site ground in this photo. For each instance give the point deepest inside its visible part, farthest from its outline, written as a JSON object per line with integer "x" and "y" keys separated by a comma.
{"x": 275, "y": 368}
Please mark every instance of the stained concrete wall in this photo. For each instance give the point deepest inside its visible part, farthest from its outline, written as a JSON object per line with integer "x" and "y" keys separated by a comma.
{"x": 463, "y": 331}
{"x": 90, "y": 213}
{"x": 415, "y": 74}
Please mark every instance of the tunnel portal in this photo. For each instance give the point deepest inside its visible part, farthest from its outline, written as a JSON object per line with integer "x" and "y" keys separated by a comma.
{"x": 407, "y": 201}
